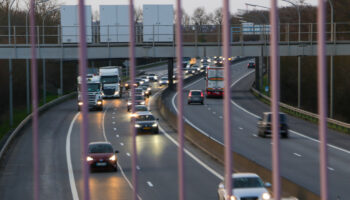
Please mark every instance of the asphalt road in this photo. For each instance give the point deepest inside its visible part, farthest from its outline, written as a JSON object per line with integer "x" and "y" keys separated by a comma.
{"x": 299, "y": 154}
{"x": 60, "y": 158}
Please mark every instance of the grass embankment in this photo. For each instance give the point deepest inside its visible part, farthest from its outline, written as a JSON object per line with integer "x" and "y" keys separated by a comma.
{"x": 296, "y": 113}
{"x": 19, "y": 114}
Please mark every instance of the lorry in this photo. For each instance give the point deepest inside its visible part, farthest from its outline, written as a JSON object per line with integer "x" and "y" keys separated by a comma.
{"x": 111, "y": 82}
{"x": 94, "y": 92}
{"x": 214, "y": 81}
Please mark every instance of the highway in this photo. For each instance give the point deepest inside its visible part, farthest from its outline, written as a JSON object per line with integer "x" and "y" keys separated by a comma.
{"x": 60, "y": 158}
{"x": 299, "y": 153}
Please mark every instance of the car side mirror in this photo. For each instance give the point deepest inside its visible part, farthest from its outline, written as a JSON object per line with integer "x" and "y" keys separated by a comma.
{"x": 267, "y": 184}
{"x": 116, "y": 151}
{"x": 157, "y": 119}
{"x": 221, "y": 185}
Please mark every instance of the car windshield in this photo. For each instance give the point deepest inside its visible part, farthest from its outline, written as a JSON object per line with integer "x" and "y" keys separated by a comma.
{"x": 140, "y": 108}
{"x": 247, "y": 182}
{"x": 151, "y": 75}
{"x": 139, "y": 98}
{"x": 283, "y": 118}
{"x": 139, "y": 90}
{"x": 196, "y": 93}
{"x": 164, "y": 78}
{"x": 93, "y": 87}
{"x": 145, "y": 118}
{"x": 100, "y": 148}
{"x": 109, "y": 79}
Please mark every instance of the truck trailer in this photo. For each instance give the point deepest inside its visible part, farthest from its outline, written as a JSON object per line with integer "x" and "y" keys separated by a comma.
{"x": 214, "y": 81}
{"x": 111, "y": 82}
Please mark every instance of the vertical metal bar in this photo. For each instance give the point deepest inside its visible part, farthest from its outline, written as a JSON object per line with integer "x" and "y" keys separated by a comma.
{"x": 322, "y": 97}
{"x": 35, "y": 119}
{"x": 82, "y": 70}
{"x": 61, "y": 76}
{"x": 180, "y": 123}
{"x": 27, "y": 85}
{"x": 299, "y": 81}
{"x": 44, "y": 79}
{"x": 331, "y": 103}
{"x": 227, "y": 98}
{"x": 275, "y": 94}
{"x": 132, "y": 77}
{"x": 10, "y": 93}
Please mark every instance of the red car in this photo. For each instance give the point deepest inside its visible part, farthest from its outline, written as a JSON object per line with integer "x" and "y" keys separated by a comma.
{"x": 102, "y": 156}
{"x": 251, "y": 64}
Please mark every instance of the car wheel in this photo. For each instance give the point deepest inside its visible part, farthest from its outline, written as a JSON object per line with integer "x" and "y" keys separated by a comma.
{"x": 285, "y": 135}
{"x": 188, "y": 103}
{"x": 78, "y": 108}
{"x": 202, "y": 102}
{"x": 156, "y": 131}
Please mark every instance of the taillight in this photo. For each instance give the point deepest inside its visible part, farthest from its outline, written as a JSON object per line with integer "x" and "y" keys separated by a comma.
{"x": 190, "y": 94}
{"x": 202, "y": 95}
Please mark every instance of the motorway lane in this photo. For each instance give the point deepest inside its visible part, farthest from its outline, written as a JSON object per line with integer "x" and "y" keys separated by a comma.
{"x": 16, "y": 179}
{"x": 299, "y": 156}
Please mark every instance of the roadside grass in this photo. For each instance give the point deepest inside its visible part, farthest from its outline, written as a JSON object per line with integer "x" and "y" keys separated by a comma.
{"x": 295, "y": 113}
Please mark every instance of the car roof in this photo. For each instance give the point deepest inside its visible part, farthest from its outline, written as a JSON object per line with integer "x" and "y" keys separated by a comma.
{"x": 195, "y": 90}
{"x": 100, "y": 142}
{"x": 244, "y": 175}
{"x": 144, "y": 113}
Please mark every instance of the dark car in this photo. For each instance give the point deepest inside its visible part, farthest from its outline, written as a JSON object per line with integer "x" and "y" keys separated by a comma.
{"x": 195, "y": 96}
{"x": 139, "y": 100}
{"x": 139, "y": 81}
{"x": 152, "y": 77}
{"x": 251, "y": 64}
{"x": 265, "y": 128}
{"x": 102, "y": 156}
{"x": 147, "y": 89}
{"x": 145, "y": 122}
{"x": 127, "y": 85}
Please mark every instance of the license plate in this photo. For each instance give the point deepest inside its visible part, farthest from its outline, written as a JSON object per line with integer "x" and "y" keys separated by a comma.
{"x": 101, "y": 164}
{"x": 147, "y": 128}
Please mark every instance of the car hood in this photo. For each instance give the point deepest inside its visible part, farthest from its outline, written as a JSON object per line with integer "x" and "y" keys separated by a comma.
{"x": 145, "y": 122}
{"x": 248, "y": 192}
{"x": 97, "y": 156}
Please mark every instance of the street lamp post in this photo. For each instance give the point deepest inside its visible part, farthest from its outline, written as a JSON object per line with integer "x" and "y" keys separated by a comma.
{"x": 299, "y": 57}
{"x": 10, "y": 64}
{"x": 331, "y": 84}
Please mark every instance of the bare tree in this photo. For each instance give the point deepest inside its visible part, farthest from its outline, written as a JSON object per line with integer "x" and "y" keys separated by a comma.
{"x": 138, "y": 15}
{"x": 216, "y": 17}
{"x": 200, "y": 16}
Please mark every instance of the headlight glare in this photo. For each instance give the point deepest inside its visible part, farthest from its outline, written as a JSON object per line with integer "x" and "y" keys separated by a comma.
{"x": 89, "y": 158}
{"x": 80, "y": 103}
{"x": 154, "y": 125}
{"x": 112, "y": 158}
{"x": 265, "y": 196}
{"x": 137, "y": 125}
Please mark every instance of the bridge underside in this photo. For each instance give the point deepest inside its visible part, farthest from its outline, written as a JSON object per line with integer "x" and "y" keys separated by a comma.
{"x": 165, "y": 51}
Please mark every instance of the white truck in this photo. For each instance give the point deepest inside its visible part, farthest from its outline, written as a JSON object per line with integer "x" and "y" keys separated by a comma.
{"x": 111, "y": 82}
{"x": 94, "y": 92}
{"x": 214, "y": 81}
{"x": 70, "y": 24}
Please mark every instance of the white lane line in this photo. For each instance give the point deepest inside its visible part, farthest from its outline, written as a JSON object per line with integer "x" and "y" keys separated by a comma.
{"x": 331, "y": 169}
{"x": 149, "y": 184}
{"x": 121, "y": 144}
{"x": 220, "y": 117}
{"x": 138, "y": 167}
{"x": 296, "y": 154}
{"x": 113, "y": 117}
{"x": 240, "y": 128}
{"x": 212, "y": 171}
{"x": 128, "y": 154}
{"x": 117, "y": 135}
{"x": 209, "y": 108}
{"x": 214, "y": 113}
{"x": 115, "y": 129}
{"x": 255, "y": 135}
{"x": 119, "y": 166}
{"x": 73, "y": 187}
{"x": 113, "y": 122}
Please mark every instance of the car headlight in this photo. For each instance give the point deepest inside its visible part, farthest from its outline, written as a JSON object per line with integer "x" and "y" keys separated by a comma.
{"x": 265, "y": 196}
{"x": 147, "y": 92}
{"x": 143, "y": 102}
{"x": 99, "y": 102}
{"x": 154, "y": 125}
{"x": 112, "y": 158}
{"x": 142, "y": 82}
{"x": 155, "y": 77}
{"x": 126, "y": 85}
{"x": 137, "y": 125}
{"x": 80, "y": 103}
{"x": 116, "y": 92}
{"x": 233, "y": 197}
{"x": 167, "y": 81}
{"x": 129, "y": 103}
{"x": 149, "y": 89}
{"x": 89, "y": 158}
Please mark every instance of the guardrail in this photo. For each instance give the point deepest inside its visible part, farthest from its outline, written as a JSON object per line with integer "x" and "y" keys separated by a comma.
{"x": 6, "y": 141}
{"x": 215, "y": 148}
{"x": 197, "y": 34}
{"x": 345, "y": 126}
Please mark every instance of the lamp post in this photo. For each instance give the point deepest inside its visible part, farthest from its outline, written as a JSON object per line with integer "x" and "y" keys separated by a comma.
{"x": 10, "y": 64}
{"x": 331, "y": 84}
{"x": 299, "y": 57}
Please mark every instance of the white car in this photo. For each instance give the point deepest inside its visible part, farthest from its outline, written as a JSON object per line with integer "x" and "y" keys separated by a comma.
{"x": 152, "y": 77}
{"x": 245, "y": 186}
{"x": 163, "y": 81}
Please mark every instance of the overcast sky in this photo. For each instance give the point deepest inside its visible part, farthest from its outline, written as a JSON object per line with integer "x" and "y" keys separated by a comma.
{"x": 188, "y": 5}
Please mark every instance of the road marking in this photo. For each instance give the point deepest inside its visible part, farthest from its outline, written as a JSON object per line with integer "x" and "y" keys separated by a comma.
{"x": 220, "y": 117}
{"x": 209, "y": 108}
{"x": 117, "y": 135}
{"x": 113, "y": 122}
{"x": 115, "y": 129}
{"x": 294, "y": 132}
{"x": 240, "y": 128}
{"x": 73, "y": 187}
{"x": 138, "y": 167}
{"x": 296, "y": 154}
{"x": 113, "y": 113}
{"x": 122, "y": 144}
{"x": 255, "y": 135}
{"x": 205, "y": 105}
{"x": 113, "y": 117}
{"x": 330, "y": 168}
{"x": 214, "y": 113}
{"x": 149, "y": 184}
{"x": 128, "y": 154}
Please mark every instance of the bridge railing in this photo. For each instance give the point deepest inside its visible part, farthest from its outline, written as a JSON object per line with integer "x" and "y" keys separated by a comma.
{"x": 192, "y": 34}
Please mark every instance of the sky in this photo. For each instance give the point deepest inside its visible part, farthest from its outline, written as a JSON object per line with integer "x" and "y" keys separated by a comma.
{"x": 188, "y": 5}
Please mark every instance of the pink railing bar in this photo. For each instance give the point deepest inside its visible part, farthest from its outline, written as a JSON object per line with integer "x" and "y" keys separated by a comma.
{"x": 322, "y": 97}
{"x": 132, "y": 78}
{"x": 180, "y": 122}
{"x": 34, "y": 83}
{"x": 82, "y": 71}
{"x": 275, "y": 87}
{"x": 227, "y": 98}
